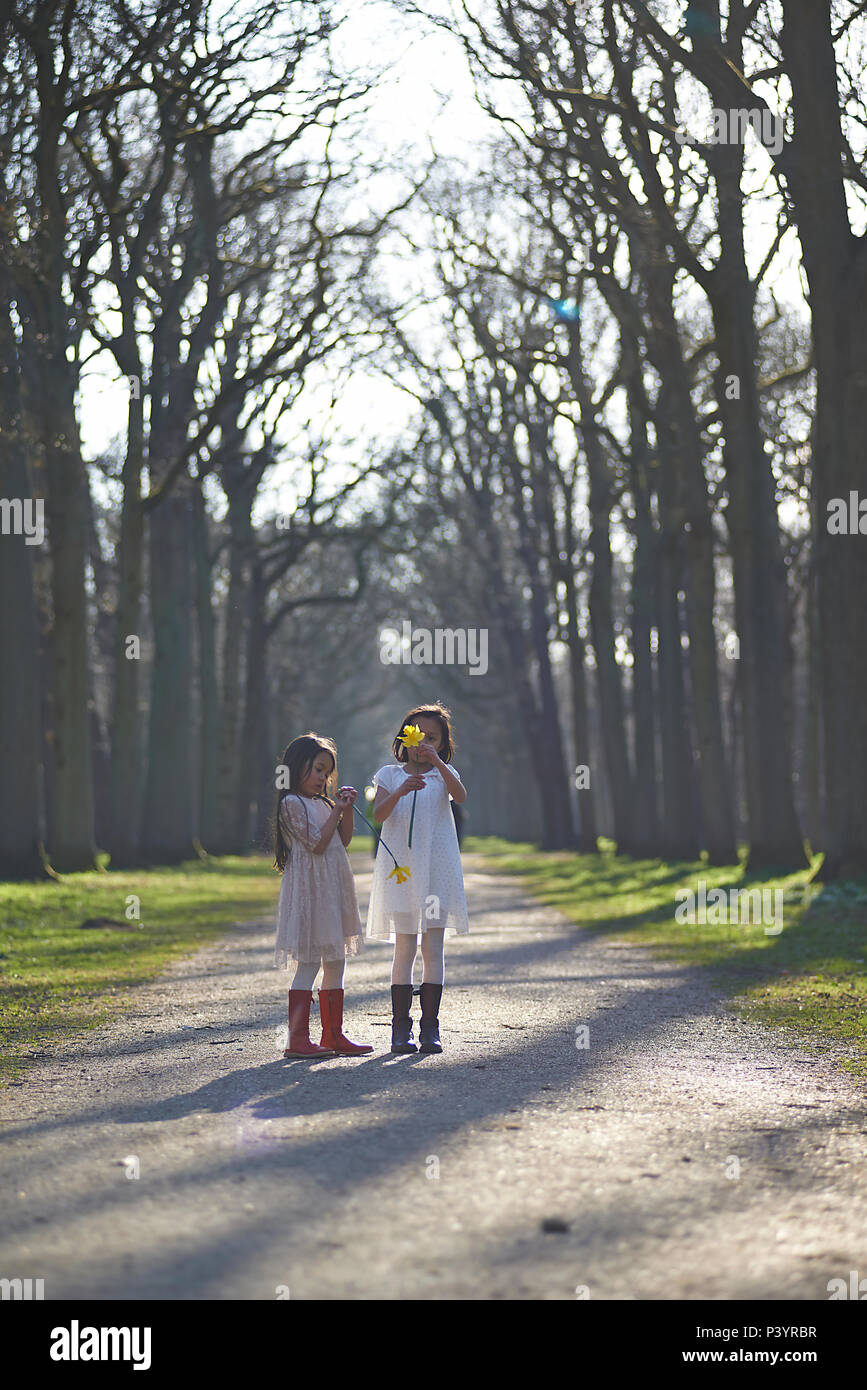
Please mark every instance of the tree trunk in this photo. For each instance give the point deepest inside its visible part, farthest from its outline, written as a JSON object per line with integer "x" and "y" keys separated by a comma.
{"x": 208, "y": 691}
{"x": 126, "y": 736}
{"x": 608, "y": 681}
{"x": 835, "y": 262}
{"x": 101, "y": 626}
{"x": 813, "y": 781}
{"x": 20, "y": 828}
{"x": 229, "y": 839}
{"x": 72, "y": 846}
{"x": 775, "y": 839}
{"x": 646, "y": 827}
{"x": 679, "y": 837}
{"x": 168, "y": 825}
{"x": 644, "y": 603}
{"x": 587, "y": 833}
{"x": 256, "y": 793}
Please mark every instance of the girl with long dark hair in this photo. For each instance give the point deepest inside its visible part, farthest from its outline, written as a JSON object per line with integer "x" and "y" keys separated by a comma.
{"x": 413, "y": 804}
{"x": 317, "y": 915}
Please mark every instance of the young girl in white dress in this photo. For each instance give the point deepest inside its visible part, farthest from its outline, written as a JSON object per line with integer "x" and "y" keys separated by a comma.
{"x": 431, "y": 901}
{"x": 317, "y": 914}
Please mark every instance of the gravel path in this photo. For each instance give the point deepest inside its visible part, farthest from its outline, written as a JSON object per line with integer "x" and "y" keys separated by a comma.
{"x": 681, "y": 1155}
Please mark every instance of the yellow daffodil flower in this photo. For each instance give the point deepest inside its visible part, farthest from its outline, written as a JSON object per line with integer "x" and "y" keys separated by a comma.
{"x": 402, "y": 872}
{"x": 411, "y": 736}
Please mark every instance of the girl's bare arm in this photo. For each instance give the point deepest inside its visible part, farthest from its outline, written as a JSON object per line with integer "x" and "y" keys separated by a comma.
{"x": 453, "y": 784}
{"x": 449, "y": 776}
{"x": 328, "y": 829}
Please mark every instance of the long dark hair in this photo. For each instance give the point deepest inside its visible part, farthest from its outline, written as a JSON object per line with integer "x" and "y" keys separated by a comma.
{"x": 297, "y": 759}
{"x": 443, "y": 717}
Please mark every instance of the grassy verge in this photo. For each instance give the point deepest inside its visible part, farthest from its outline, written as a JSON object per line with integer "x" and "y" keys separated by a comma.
{"x": 56, "y": 978}
{"x": 812, "y": 976}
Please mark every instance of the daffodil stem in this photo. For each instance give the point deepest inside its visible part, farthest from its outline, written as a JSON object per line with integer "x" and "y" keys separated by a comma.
{"x": 411, "y": 819}
{"x": 375, "y": 832}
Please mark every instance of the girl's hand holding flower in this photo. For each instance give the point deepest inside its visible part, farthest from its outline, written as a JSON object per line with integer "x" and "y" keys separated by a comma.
{"x": 413, "y": 782}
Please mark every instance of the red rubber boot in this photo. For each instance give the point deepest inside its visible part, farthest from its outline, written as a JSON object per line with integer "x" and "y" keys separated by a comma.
{"x": 299, "y": 1027}
{"x": 331, "y": 1013}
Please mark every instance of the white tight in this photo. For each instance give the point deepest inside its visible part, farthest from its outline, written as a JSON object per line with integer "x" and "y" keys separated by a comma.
{"x": 433, "y": 958}
{"x": 307, "y": 970}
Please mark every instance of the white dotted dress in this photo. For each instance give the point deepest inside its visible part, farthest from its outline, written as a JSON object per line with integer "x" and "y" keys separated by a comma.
{"x": 434, "y": 894}
{"x": 317, "y": 914}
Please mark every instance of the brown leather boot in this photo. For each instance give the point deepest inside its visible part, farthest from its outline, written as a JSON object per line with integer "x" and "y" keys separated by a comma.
{"x": 331, "y": 1013}
{"x": 299, "y": 1027}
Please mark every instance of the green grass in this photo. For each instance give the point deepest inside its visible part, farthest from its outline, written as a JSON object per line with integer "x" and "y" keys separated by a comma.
{"x": 811, "y": 977}
{"x": 56, "y": 978}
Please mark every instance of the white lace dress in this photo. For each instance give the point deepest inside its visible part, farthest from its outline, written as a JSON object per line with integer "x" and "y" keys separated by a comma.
{"x": 434, "y": 894}
{"x": 317, "y": 914}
